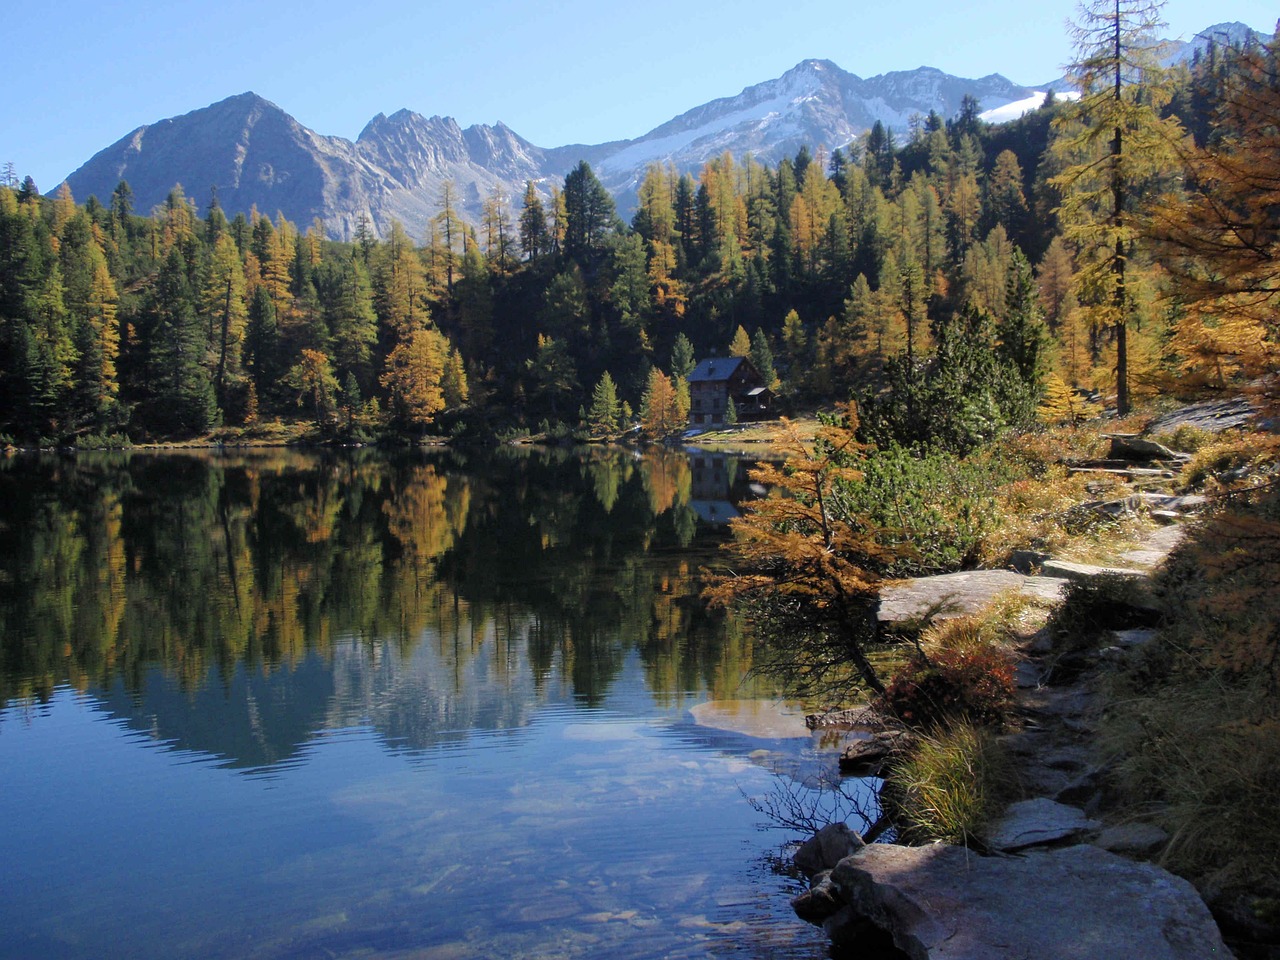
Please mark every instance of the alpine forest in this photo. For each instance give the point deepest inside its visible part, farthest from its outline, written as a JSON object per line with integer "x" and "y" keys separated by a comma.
{"x": 956, "y": 278}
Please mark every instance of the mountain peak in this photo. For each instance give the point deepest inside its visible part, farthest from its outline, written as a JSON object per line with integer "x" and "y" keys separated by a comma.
{"x": 255, "y": 153}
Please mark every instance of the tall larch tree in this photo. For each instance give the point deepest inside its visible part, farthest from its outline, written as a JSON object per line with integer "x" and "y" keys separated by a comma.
{"x": 226, "y": 313}
{"x": 1221, "y": 238}
{"x": 1115, "y": 140}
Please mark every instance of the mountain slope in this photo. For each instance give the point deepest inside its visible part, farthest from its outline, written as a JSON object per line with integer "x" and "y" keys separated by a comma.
{"x": 255, "y": 154}
{"x": 814, "y": 103}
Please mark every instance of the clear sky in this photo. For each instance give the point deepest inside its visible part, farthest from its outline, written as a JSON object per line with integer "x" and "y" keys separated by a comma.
{"x": 81, "y": 74}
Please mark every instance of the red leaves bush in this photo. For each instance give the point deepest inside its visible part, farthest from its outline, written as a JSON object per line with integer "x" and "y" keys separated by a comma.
{"x": 970, "y": 684}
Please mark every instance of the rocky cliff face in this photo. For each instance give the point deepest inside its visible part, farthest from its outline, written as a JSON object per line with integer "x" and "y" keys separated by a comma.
{"x": 255, "y": 154}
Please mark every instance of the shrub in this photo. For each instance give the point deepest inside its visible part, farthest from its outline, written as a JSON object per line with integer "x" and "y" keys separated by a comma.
{"x": 1107, "y": 602}
{"x": 1242, "y": 454}
{"x": 936, "y": 506}
{"x": 1204, "y": 758}
{"x": 950, "y": 786}
{"x": 1186, "y": 439}
{"x": 964, "y": 683}
{"x": 102, "y": 441}
{"x": 1194, "y": 725}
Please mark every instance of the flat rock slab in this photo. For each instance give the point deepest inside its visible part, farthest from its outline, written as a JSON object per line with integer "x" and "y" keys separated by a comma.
{"x": 1078, "y": 903}
{"x": 1036, "y": 822}
{"x": 1070, "y": 570}
{"x": 961, "y": 594}
{"x": 1214, "y": 416}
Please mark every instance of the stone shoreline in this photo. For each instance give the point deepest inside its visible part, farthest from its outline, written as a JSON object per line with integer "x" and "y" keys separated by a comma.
{"x": 1054, "y": 882}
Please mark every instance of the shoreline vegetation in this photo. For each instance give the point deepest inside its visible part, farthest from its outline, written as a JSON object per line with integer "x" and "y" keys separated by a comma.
{"x": 1143, "y": 696}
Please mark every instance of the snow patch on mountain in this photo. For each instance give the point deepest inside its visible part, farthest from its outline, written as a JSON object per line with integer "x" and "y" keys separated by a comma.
{"x": 1014, "y": 110}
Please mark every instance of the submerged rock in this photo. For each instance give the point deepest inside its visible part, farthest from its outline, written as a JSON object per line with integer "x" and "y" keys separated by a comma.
{"x": 1077, "y": 903}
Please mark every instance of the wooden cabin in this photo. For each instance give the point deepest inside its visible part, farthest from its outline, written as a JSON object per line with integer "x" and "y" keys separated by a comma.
{"x": 717, "y": 380}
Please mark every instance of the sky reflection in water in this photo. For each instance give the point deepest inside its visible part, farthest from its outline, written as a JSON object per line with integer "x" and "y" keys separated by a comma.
{"x": 333, "y": 707}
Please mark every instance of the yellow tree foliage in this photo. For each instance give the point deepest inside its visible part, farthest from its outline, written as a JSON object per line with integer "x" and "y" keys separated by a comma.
{"x": 415, "y": 377}
{"x": 1114, "y": 145}
{"x": 660, "y": 406}
{"x": 802, "y": 566}
{"x": 103, "y": 320}
{"x": 399, "y": 282}
{"x": 225, "y": 310}
{"x": 313, "y": 380}
{"x": 1221, "y": 239}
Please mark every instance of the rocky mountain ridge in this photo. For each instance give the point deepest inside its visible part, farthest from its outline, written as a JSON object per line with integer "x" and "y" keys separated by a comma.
{"x": 255, "y": 154}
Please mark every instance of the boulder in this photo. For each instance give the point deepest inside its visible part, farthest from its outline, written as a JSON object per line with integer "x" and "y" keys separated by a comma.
{"x": 1027, "y": 561}
{"x": 1078, "y": 903}
{"x": 956, "y": 594}
{"x": 1032, "y": 823}
{"x": 1212, "y": 417}
{"x": 819, "y": 902}
{"x": 864, "y": 756}
{"x": 1132, "y": 447}
{"x": 1137, "y": 637}
{"x": 826, "y": 848}
{"x": 1138, "y": 838}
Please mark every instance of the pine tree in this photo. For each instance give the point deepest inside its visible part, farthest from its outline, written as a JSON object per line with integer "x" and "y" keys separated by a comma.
{"x": 589, "y": 216}
{"x": 604, "y": 417}
{"x": 533, "y": 224}
{"x": 183, "y": 401}
{"x": 761, "y": 355}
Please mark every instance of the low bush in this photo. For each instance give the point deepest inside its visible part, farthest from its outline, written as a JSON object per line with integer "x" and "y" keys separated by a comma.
{"x": 1194, "y": 726}
{"x": 1090, "y": 607}
{"x": 1231, "y": 458}
{"x": 1202, "y": 757}
{"x": 967, "y": 684}
{"x": 103, "y": 441}
{"x": 938, "y": 508}
{"x": 1186, "y": 439}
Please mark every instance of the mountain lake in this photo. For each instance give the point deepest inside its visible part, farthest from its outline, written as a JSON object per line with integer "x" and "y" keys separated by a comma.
{"x": 436, "y": 705}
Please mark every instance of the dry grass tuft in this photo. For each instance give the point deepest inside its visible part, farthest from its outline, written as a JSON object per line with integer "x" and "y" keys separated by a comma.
{"x": 951, "y": 786}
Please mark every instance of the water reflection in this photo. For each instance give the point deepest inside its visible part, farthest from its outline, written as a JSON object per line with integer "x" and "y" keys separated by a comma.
{"x": 285, "y": 704}
{"x": 536, "y": 561}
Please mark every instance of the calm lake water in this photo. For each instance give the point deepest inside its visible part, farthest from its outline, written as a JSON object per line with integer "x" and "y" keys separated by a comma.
{"x": 282, "y": 704}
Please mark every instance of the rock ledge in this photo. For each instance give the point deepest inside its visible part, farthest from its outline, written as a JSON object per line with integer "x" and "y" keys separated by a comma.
{"x": 1075, "y": 903}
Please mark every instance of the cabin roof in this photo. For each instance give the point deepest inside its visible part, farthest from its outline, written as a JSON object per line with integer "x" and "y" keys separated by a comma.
{"x": 715, "y": 369}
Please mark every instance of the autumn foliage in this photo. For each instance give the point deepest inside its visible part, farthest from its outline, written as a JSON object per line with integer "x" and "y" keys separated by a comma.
{"x": 806, "y": 567}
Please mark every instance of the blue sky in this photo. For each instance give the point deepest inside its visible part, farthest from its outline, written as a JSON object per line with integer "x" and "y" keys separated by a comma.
{"x": 577, "y": 71}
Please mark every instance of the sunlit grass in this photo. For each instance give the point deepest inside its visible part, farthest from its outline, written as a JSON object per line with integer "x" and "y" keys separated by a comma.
{"x": 951, "y": 786}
